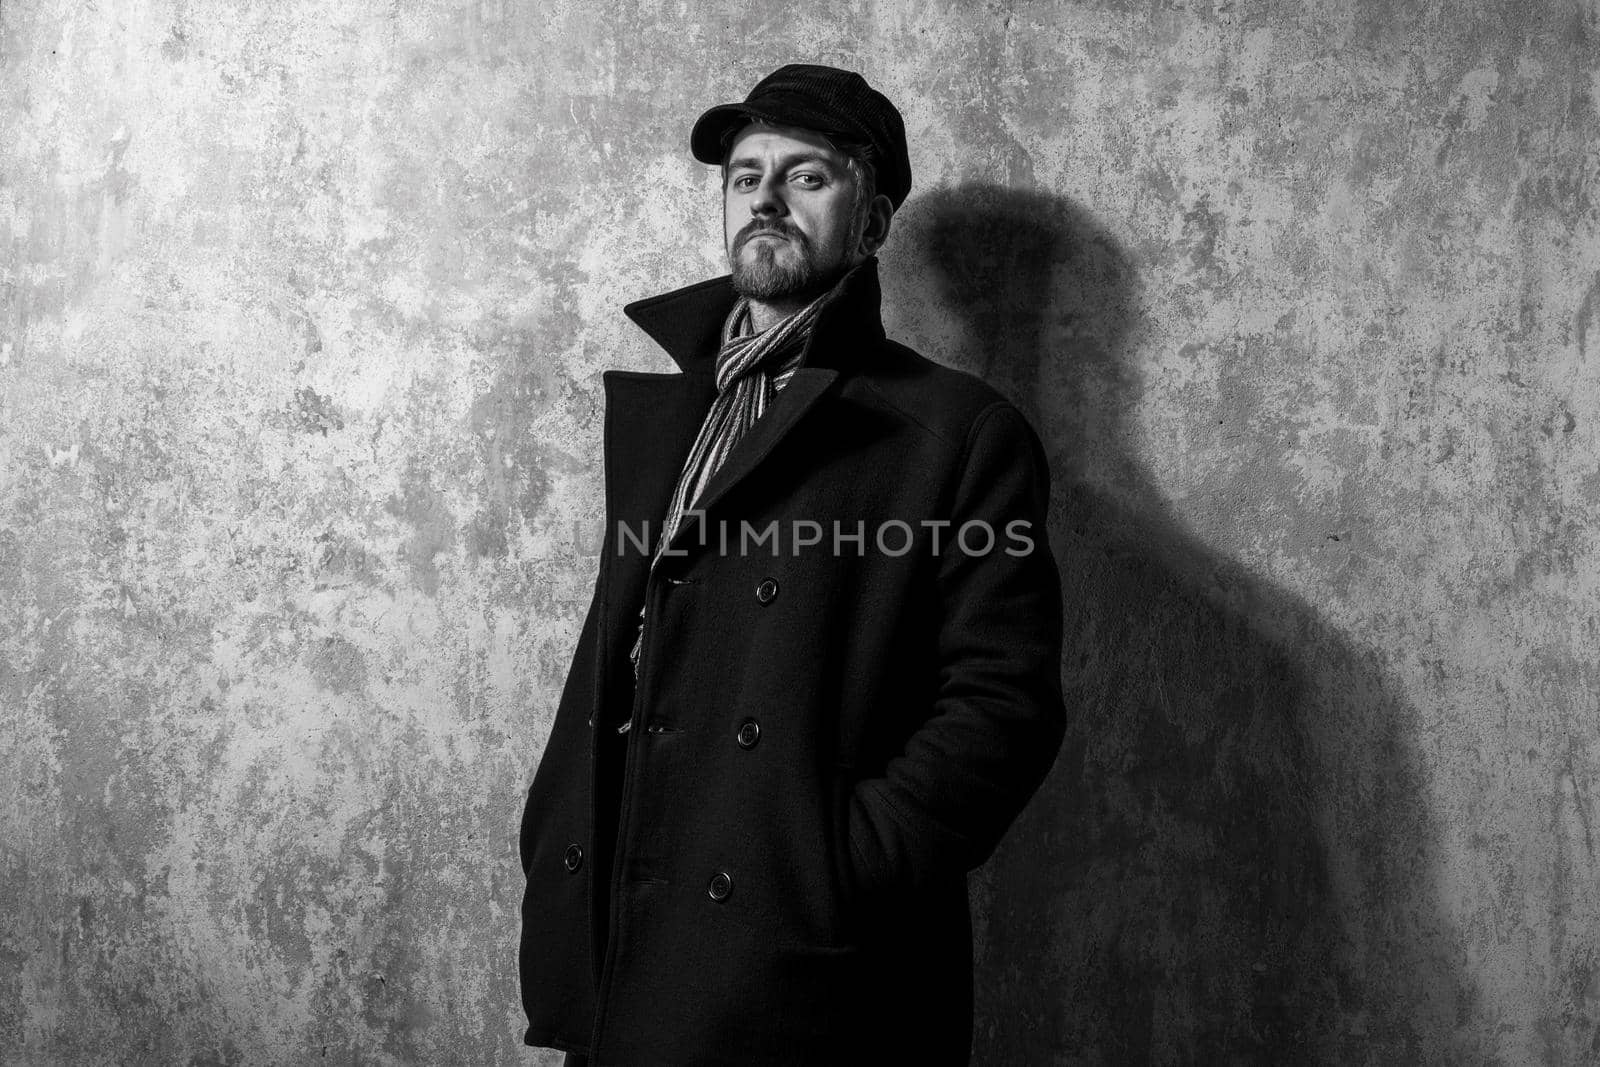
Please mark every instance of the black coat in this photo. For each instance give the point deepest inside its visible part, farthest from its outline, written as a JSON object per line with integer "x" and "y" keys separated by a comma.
{"x": 821, "y": 744}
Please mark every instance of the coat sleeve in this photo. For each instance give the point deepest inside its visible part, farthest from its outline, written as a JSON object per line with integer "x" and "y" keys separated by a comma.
{"x": 944, "y": 802}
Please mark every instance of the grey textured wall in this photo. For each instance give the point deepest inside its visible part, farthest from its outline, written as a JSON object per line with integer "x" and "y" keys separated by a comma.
{"x": 302, "y": 312}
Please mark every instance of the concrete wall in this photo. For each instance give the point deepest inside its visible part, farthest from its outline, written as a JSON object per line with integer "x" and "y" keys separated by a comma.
{"x": 302, "y": 313}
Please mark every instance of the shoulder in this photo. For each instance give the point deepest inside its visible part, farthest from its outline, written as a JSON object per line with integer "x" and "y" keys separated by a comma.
{"x": 950, "y": 405}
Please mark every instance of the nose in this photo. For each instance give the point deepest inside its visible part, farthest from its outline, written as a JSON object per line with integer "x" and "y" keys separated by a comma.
{"x": 768, "y": 198}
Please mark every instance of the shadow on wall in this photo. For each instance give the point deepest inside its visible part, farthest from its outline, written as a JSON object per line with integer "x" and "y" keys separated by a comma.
{"x": 1231, "y": 862}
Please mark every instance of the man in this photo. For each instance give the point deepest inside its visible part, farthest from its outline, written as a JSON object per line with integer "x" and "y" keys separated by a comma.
{"x": 796, "y": 721}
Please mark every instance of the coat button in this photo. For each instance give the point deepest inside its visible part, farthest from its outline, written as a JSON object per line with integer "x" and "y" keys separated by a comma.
{"x": 574, "y": 858}
{"x": 749, "y": 733}
{"x": 767, "y": 591}
{"x": 721, "y": 885}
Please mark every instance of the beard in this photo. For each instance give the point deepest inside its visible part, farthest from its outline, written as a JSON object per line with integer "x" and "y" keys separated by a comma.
{"x": 769, "y": 270}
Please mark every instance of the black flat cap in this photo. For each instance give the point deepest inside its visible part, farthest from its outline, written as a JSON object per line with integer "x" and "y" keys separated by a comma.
{"x": 835, "y": 103}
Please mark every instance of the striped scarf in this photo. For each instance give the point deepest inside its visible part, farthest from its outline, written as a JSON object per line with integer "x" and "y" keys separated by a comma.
{"x": 751, "y": 368}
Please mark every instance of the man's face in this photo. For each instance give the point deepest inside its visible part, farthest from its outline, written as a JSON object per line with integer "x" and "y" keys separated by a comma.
{"x": 788, "y": 212}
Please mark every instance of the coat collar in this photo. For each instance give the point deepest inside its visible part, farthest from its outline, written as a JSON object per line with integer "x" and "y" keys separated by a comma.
{"x": 687, "y": 322}
{"x": 651, "y": 418}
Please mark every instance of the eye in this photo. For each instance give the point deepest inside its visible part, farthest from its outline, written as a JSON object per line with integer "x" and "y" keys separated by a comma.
{"x": 745, "y": 181}
{"x": 809, "y": 180}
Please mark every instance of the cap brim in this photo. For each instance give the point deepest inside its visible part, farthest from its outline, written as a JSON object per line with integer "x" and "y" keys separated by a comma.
{"x": 709, "y": 139}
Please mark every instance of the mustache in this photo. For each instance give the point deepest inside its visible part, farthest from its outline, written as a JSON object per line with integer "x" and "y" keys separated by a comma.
{"x": 774, "y": 226}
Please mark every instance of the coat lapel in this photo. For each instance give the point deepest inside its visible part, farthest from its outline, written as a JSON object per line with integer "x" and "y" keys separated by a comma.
{"x": 805, "y": 388}
{"x": 650, "y": 422}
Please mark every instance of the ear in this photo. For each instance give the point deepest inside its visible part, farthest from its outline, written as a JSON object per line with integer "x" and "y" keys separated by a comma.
{"x": 876, "y": 229}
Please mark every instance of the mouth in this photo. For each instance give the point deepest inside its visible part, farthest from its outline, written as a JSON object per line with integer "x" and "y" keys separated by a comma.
{"x": 766, "y": 231}
{"x": 753, "y": 237}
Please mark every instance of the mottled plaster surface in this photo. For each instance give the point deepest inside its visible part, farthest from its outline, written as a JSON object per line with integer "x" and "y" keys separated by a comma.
{"x": 302, "y": 313}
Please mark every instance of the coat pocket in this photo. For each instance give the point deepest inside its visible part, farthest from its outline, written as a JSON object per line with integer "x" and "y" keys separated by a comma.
{"x": 848, "y": 888}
